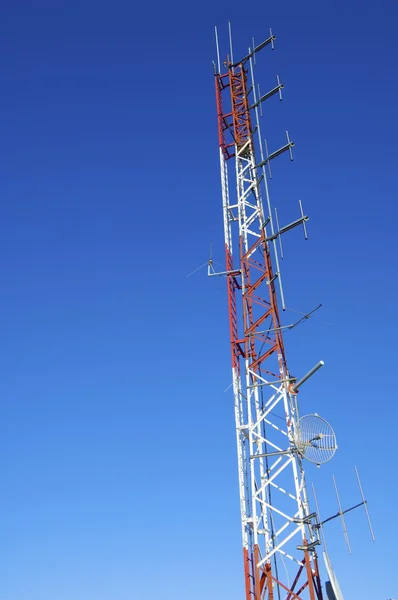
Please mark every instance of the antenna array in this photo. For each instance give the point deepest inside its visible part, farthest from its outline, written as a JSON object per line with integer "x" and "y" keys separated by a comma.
{"x": 280, "y": 534}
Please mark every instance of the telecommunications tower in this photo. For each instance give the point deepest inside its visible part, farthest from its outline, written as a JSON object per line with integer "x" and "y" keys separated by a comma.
{"x": 280, "y": 533}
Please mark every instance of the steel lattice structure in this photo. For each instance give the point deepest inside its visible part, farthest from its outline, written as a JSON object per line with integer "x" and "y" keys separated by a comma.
{"x": 277, "y": 526}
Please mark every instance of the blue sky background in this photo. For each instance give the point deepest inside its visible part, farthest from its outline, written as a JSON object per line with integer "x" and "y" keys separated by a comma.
{"x": 118, "y": 469}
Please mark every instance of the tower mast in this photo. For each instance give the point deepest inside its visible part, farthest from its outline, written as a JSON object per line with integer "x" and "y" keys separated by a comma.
{"x": 279, "y": 540}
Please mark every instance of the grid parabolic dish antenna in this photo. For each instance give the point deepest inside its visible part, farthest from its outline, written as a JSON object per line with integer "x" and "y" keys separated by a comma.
{"x": 315, "y": 439}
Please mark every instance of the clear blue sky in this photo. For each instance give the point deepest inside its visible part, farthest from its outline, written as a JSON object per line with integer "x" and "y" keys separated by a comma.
{"x": 118, "y": 470}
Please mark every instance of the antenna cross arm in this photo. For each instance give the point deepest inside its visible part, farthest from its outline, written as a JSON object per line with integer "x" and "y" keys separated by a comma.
{"x": 338, "y": 514}
{"x": 266, "y": 42}
{"x": 235, "y": 272}
{"x": 272, "y": 92}
{"x": 273, "y": 155}
{"x": 287, "y": 228}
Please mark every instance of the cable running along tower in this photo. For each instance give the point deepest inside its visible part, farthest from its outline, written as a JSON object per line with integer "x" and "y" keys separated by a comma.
{"x": 279, "y": 532}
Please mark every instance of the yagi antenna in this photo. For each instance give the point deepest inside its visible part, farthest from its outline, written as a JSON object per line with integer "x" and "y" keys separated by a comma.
{"x": 276, "y": 90}
{"x": 280, "y": 230}
{"x": 288, "y": 147}
{"x": 342, "y": 512}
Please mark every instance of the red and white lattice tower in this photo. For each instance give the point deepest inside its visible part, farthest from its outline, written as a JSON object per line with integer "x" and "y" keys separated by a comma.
{"x": 279, "y": 536}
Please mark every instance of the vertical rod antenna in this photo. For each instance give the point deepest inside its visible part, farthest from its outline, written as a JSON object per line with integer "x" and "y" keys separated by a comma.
{"x": 218, "y": 50}
{"x": 261, "y": 104}
{"x": 290, "y": 145}
{"x": 347, "y": 541}
{"x": 365, "y": 506}
{"x": 272, "y": 38}
{"x": 230, "y": 42}
{"x": 267, "y": 196}
{"x": 278, "y": 228}
{"x": 304, "y": 225}
{"x": 268, "y": 161}
{"x": 280, "y": 87}
{"x": 319, "y": 519}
